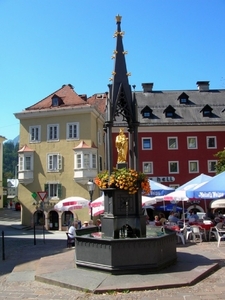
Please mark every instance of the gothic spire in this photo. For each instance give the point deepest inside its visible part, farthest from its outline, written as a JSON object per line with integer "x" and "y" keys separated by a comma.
{"x": 120, "y": 94}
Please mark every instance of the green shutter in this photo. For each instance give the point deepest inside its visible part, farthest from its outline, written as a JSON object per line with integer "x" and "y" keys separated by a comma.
{"x": 59, "y": 191}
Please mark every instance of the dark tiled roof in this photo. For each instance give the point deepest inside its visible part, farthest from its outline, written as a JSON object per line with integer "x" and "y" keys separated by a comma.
{"x": 66, "y": 94}
{"x": 190, "y": 113}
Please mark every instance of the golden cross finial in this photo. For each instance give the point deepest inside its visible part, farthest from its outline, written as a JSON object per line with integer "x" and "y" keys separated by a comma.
{"x": 118, "y": 18}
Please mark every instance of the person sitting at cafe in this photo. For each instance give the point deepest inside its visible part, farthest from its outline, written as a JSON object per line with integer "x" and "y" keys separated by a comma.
{"x": 72, "y": 230}
{"x": 209, "y": 215}
{"x": 162, "y": 219}
{"x": 85, "y": 225}
{"x": 173, "y": 218}
{"x": 157, "y": 222}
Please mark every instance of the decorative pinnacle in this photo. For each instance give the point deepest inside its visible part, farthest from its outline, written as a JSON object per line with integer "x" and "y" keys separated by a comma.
{"x": 118, "y": 18}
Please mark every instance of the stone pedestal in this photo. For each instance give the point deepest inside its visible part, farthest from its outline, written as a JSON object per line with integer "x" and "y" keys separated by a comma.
{"x": 123, "y": 211}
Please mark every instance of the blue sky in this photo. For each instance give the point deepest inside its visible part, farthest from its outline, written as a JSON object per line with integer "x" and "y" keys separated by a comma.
{"x": 48, "y": 43}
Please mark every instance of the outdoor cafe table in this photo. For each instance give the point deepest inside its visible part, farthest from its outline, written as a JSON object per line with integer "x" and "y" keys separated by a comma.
{"x": 205, "y": 227}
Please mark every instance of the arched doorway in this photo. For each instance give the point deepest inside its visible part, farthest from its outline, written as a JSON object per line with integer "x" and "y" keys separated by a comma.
{"x": 39, "y": 218}
{"x": 53, "y": 220}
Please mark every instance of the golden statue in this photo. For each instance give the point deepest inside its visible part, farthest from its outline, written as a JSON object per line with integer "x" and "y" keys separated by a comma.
{"x": 122, "y": 146}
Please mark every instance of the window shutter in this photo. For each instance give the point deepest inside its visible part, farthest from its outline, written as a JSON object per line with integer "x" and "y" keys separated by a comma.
{"x": 46, "y": 189}
{"x": 59, "y": 191}
{"x": 59, "y": 162}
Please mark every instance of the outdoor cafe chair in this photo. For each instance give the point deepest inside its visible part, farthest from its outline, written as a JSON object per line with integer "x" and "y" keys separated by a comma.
{"x": 197, "y": 233}
{"x": 70, "y": 241}
{"x": 213, "y": 231}
{"x": 220, "y": 235}
{"x": 181, "y": 234}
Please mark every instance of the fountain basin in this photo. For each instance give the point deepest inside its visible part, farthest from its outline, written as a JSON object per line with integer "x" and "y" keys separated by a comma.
{"x": 127, "y": 255}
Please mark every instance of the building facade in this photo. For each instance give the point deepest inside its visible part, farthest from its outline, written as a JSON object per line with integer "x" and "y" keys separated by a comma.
{"x": 179, "y": 134}
{"x": 61, "y": 149}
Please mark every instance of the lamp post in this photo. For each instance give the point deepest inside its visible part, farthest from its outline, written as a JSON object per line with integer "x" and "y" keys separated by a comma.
{"x": 91, "y": 188}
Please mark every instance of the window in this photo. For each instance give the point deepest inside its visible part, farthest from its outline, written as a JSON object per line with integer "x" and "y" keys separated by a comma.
{"x": 173, "y": 167}
{"x": 100, "y": 164}
{"x": 53, "y": 132}
{"x": 172, "y": 143}
{"x": 146, "y": 112}
{"x": 212, "y": 166}
{"x": 53, "y": 190}
{"x": 72, "y": 131}
{"x": 146, "y": 143}
{"x": 54, "y": 163}
{"x": 211, "y": 142}
{"x": 99, "y": 137}
{"x": 25, "y": 163}
{"x": 193, "y": 166}
{"x": 192, "y": 142}
{"x": 148, "y": 167}
{"x": 86, "y": 161}
{"x": 35, "y": 134}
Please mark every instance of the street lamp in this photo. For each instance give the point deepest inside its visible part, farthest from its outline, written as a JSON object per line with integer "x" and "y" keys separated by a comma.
{"x": 91, "y": 188}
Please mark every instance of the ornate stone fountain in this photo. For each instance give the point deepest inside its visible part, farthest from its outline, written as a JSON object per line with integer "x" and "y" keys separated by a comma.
{"x": 122, "y": 246}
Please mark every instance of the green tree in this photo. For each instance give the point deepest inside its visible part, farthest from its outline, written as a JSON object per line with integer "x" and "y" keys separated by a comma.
{"x": 220, "y": 166}
{"x": 10, "y": 160}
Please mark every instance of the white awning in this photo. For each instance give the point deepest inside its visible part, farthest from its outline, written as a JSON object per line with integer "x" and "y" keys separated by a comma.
{"x": 218, "y": 203}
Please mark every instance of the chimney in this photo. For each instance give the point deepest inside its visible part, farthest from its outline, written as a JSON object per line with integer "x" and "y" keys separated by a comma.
{"x": 203, "y": 86}
{"x": 147, "y": 87}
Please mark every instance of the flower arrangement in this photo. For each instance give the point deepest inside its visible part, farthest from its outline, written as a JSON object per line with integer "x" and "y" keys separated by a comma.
{"x": 124, "y": 179}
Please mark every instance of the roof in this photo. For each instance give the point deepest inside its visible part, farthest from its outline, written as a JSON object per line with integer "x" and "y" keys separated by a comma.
{"x": 25, "y": 148}
{"x": 83, "y": 145}
{"x": 191, "y": 112}
{"x": 66, "y": 95}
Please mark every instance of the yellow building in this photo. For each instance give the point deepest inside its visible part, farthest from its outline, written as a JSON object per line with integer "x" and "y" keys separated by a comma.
{"x": 61, "y": 149}
{"x": 2, "y": 139}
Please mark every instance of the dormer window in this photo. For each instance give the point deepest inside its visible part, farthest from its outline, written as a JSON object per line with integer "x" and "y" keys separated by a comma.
{"x": 206, "y": 111}
{"x": 169, "y": 112}
{"x": 146, "y": 112}
{"x": 183, "y": 98}
{"x": 56, "y": 101}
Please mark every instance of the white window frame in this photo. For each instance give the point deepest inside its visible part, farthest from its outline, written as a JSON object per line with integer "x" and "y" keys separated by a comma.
{"x": 175, "y": 142}
{"x": 25, "y": 162}
{"x": 72, "y": 131}
{"x": 169, "y": 167}
{"x": 191, "y": 163}
{"x": 84, "y": 160}
{"x": 35, "y": 134}
{"x": 55, "y": 134}
{"x": 207, "y": 142}
{"x": 150, "y": 143}
{"x": 209, "y": 162}
{"x": 54, "y": 162}
{"x": 192, "y": 142}
{"x": 52, "y": 191}
{"x": 147, "y": 167}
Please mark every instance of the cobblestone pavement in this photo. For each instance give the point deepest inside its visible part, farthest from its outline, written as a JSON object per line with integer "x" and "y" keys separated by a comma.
{"x": 20, "y": 252}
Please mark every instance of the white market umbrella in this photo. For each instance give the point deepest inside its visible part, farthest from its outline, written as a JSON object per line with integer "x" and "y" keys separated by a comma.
{"x": 98, "y": 202}
{"x": 71, "y": 203}
{"x": 97, "y": 210}
{"x": 147, "y": 201}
